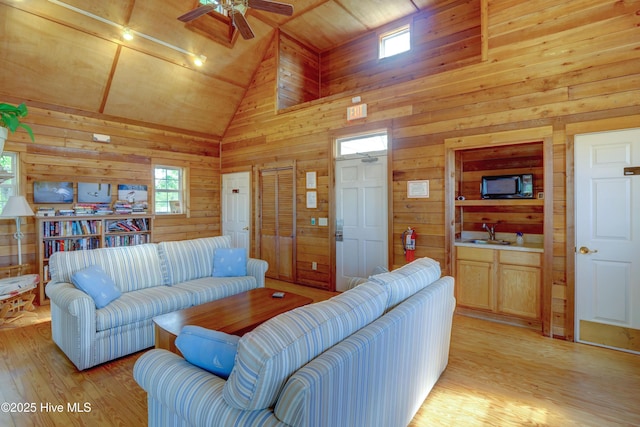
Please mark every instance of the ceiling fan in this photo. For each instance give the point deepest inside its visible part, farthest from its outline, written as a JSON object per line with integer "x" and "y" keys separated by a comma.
{"x": 236, "y": 10}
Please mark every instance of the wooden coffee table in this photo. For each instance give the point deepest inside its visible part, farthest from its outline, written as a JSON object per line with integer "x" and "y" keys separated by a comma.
{"x": 237, "y": 314}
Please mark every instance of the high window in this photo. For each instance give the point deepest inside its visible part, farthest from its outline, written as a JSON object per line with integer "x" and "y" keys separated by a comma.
{"x": 9, "y": 187}
{"x": 169, "y": 190}
{"x": 363, "y": 144}
{"x": 395, "y": 42}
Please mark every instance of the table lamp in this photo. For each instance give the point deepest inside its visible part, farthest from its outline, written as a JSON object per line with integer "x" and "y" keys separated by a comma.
{"x": 17, "y": 207}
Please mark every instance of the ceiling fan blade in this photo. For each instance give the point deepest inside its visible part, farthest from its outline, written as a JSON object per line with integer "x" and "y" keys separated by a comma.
{"x": 198, "y": 12}
{"x": 240, "y": 22}
{"x": 272, "y": 6}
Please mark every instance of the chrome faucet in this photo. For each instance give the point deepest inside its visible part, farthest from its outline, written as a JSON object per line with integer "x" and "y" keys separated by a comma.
{"x": 491, "y": 230}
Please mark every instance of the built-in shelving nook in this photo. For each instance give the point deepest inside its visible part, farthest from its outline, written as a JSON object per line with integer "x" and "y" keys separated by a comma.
{"x": 499, "y": 282}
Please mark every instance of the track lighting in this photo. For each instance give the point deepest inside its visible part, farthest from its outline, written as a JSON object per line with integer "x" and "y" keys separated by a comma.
{"x": 199, "y": 60}
{"x": 127, "y": 34}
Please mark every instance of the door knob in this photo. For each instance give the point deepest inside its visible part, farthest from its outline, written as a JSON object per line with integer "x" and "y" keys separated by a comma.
{"x": 246, "y": 228}
{"x": 585, "y": 250}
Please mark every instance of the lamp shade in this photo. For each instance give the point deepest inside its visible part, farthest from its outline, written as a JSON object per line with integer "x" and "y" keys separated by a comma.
{"x": 16, "y": 206}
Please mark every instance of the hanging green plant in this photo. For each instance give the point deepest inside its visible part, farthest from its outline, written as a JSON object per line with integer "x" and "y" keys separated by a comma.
{"x": 10, "y": 116}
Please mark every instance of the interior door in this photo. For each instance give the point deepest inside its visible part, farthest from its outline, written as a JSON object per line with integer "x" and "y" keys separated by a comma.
{"x": 236, "y": 208}
{"x": 608, "y": 238}
{"x": 277, "y": 231}
{"x": 361, "y": 218}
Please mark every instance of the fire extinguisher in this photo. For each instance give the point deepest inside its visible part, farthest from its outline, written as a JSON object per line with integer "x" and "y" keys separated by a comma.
{"x": 409, "y": 237}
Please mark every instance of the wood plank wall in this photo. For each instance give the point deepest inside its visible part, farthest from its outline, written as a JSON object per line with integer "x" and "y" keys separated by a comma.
{"x": 298, "y": 73}
{"x": 547, "y": 63}
{"x": 442, "y": 39}
{"x": 64, "y": 151}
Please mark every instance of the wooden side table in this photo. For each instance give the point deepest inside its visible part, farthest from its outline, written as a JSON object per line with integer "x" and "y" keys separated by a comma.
{"x": 19, "y": 299}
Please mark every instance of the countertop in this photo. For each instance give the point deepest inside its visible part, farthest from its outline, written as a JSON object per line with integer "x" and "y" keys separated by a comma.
{"x": 532, "y": 243}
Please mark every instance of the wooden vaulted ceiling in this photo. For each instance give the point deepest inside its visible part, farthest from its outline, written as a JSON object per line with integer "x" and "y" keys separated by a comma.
{"x": 57, "y": 58}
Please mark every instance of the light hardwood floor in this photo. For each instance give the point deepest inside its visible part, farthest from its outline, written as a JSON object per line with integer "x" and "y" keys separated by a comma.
{"x": 498, "y": 375}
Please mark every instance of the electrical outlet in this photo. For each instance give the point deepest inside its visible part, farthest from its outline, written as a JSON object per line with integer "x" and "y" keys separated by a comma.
{"x": 314, "y": 265}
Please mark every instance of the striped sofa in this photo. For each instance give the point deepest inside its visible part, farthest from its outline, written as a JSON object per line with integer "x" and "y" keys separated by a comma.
{"x": 367, "y": 357}
{"x": 154, "y": 279}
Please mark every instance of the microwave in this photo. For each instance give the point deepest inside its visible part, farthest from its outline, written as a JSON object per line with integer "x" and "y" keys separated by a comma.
{"x": 507, "y": 187}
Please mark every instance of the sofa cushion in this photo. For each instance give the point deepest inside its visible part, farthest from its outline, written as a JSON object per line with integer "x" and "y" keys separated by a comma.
{"x": 230, "y": 262}
{"x": 189, "y": 259}
{"x": 95, "y": 282}
{"x": 213, "y": 351}
{"x": 210, "y": 288}
{"x": 141, "y": 305}
{"x": 408, "y": 279}
{"x": 269, "y": 354}
{"x": 130, "y": 267}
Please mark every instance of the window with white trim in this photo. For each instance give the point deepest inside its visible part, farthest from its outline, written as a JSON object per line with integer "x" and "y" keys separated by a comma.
{"x": 363, "y": 144}
{"x": 168, "y": 190}
{"x": 395, "y": 42}
{"x": 9, "y": 187}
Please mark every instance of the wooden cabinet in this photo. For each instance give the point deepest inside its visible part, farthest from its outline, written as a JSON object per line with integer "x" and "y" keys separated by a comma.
{"x": 519, "y": 280}
{"x": 77, "y": 233}
{"x": 474, "y": 278}
{"x": 501, "y": 282}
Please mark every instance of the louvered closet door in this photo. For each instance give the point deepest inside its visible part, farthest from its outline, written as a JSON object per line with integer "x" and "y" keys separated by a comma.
{"x": 277, "y": 219}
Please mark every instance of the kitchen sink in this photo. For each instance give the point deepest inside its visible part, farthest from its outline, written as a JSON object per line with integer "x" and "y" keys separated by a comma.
{"x": 489, "y": 242}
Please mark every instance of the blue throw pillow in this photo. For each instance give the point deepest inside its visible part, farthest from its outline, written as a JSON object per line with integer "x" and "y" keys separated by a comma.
{"x": 95, "y": 282}
{"x": 230, "y": 262}
{"x": 214, "y": 351}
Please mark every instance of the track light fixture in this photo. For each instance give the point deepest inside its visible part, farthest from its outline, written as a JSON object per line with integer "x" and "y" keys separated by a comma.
{"x": 128, "y": 34}
{"x": 199, "y": 60}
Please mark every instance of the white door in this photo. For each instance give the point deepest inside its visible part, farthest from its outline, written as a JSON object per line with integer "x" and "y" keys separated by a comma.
{"x": 608, "y": 238}
{"x": 361, "y": 218}
{"x": 236, "y": 208}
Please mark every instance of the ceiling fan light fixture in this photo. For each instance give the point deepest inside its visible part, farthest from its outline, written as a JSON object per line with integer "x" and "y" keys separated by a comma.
{"x": 242, "y": 8}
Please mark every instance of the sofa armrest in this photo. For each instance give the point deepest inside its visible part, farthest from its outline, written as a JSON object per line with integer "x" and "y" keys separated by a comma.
{"x": 257, "y": 268}
{"x": 70, "y": 299}
{"x": 174, "y": 386}
{"x": 73, "y": 323}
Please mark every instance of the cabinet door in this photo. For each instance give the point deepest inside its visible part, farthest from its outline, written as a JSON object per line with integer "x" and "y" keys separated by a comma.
{"x": 519, "y": 290}
{"x": 474, "y": 284}
{"x": 276, "y": 225}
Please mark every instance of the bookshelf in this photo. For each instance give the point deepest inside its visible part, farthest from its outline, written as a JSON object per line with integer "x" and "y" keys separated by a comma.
{"x": 78, "y": 233}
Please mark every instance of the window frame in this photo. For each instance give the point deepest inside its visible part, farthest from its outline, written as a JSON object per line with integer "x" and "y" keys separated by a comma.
{"x": 14, "y": 187}
{"x": 357, "y": 136}
{"x": 387, "y": 35}
{"x": 182, "y": 191}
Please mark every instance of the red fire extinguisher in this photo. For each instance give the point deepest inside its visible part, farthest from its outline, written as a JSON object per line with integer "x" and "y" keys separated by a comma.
{"x": 409, "y": 237}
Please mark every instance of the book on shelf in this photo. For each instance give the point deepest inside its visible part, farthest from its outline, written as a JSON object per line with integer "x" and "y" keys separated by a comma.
{"x": 126, "y": 240}
{"x": 70, "y": 244}
{"x": 129, "y": 225}
{"x": 45, "y": 211}
{"x": 91, "y": 208}
{"x": 63, "y": 228}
